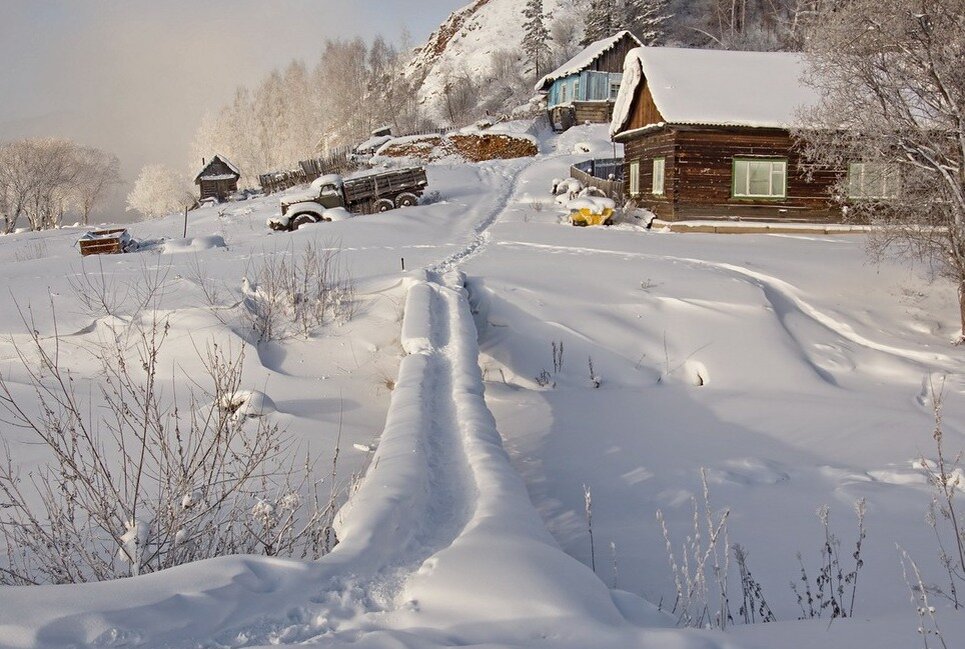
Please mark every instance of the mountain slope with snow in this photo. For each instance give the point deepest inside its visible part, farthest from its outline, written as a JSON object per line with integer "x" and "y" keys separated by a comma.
{"x": 464, "y": 46}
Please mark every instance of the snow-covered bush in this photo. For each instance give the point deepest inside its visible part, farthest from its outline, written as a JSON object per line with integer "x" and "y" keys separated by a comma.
{"x": 159, "y": 190}
{"x": 142, "y": 478}
{"x": 293, "y": 295}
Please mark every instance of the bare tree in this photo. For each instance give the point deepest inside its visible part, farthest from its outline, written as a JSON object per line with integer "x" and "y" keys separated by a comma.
{"x": 141, "y": 478}
{"x": 893, "y": 115}
{"x": 40, "y": 179}
{"x": 97, "y": 173}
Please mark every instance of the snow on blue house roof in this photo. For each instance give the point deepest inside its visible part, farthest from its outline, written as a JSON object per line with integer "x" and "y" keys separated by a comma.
{"x": 585, "y": 59}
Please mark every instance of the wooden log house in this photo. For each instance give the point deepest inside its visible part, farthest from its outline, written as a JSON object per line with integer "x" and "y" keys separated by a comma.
{"x": 584, "y": 88}
{"x": 218, "y": 179}
{"x": 706, "y": 136}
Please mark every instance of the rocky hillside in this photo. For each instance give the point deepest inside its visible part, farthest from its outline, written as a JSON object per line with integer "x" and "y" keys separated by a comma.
{"x": 472, "y": 48}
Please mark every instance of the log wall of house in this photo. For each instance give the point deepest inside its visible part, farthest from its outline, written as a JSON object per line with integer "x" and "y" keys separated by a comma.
{"x": 699, "y": 175}
{"x": 659, "y": 144}
{"x": 704, "y": 178}
{"x": 219, "y": 189}
{"x": 595, "y": 112}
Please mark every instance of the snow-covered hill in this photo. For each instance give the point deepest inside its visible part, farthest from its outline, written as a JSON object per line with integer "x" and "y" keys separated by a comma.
{"x": 793, "y": 373}
{"x": 465, "y": 46}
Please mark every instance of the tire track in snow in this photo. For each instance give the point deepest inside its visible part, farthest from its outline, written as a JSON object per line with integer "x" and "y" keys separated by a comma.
{"x": 777, "y": 291}
{"x": 451, "y": 489}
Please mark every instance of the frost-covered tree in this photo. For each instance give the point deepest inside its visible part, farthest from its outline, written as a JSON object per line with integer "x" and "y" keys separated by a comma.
{"x": 893, "y": 86}
{"x": 97, "y": 174}
{"x": 159, "y": 190}
{"x": 602, "y": 18}
{"x": 42, "y": 179}
{"x": 646, "y": 19}
{"x": 566, "y": 32}
{"x": 536, "y": 35}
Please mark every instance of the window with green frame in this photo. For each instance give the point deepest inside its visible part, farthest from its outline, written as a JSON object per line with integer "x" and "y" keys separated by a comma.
{"x": 759, "y": 178}
{"x": 872, "y": 180}
{"x": 659, "y": 169}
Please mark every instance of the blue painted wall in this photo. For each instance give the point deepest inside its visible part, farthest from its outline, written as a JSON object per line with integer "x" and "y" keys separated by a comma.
{"x": 586, "y": 86}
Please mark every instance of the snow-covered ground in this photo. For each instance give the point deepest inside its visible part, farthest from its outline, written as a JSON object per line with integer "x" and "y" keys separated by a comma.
{"x": 786, "y": 366}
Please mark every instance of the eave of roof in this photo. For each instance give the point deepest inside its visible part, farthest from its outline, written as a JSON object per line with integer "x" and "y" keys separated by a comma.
{"x": 584, "y": 59}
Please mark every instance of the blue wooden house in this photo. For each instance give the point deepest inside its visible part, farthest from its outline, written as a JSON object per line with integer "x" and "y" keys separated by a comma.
{"x": 585, "y": 88}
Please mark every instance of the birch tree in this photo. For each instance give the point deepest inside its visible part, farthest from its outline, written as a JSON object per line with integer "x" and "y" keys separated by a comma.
{"x": 892, "y": 79}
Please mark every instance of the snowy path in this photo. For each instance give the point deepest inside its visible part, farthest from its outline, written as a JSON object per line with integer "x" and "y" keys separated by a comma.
{"x": 507, "y": 182}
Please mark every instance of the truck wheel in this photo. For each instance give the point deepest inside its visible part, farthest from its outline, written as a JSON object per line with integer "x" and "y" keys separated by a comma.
{"x": 301, "y": 220}
{"x": 384, "y": 205}
{"x": 406, "y": 200}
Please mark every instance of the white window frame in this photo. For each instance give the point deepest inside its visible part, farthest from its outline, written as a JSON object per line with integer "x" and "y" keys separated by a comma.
{"x": 576, "y": 89}
{"x": 659, "y": 182}
{"x": 886, "y": 181}
{"x": 635, "y": 178}
{"x": 776, "y": 174}
{"x": 614, "y": 90}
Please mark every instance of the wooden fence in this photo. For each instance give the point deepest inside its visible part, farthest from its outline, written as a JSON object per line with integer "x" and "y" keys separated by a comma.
{"x": 337, "y": 161}
{"x": 605, "y": 174}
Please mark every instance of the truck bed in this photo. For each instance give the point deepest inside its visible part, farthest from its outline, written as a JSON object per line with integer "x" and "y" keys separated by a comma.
{"x": 373, "y": 186}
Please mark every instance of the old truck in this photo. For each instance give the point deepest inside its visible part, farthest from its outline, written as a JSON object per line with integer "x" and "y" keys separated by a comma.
{"x": 367, "y": 193}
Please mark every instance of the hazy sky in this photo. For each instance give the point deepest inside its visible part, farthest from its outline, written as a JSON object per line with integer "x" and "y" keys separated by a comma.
{"x": 135, "y": 76}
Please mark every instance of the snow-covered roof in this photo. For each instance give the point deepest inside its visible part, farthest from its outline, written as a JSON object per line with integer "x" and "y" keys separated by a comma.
{"x": 373, "y": 143}
{"x": 216, "y": 157}
{"x": 585, "y": 58}
{"x": 716, "y": 87}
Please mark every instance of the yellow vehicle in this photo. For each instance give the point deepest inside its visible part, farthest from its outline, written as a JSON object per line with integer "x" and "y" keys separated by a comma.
{"x": 591, "y": 211}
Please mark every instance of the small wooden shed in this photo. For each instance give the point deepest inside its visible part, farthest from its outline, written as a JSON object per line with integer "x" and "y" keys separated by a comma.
{"x": 218, "y": 178}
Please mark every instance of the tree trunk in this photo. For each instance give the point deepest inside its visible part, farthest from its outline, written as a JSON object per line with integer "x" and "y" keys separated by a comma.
{"x": 961, "y": 307}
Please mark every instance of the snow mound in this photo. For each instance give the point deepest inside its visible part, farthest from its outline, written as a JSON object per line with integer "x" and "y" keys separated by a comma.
{"x": 193, "y": 244}
{"x": 596, "y": 204}
{"x": 247, "y": 404}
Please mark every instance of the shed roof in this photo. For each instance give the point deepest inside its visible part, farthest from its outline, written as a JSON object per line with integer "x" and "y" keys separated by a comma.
{"x": 716, "y": 87}
{"x": 211, "y": 176}
{"x": 586, "y": 58}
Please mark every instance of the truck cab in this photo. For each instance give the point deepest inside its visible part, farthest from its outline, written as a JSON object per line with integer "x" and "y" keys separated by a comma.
{"x": 325, "y": 193}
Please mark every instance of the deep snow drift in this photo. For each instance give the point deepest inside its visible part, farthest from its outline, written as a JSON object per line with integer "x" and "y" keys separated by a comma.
{"x": 788, "y": 368}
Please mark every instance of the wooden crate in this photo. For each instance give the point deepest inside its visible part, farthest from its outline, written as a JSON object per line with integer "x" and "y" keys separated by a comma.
{"x": 105, "y": 242}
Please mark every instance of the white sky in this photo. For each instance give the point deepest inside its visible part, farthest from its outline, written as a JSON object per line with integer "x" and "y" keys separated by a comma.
{"x": 135, "y": 76}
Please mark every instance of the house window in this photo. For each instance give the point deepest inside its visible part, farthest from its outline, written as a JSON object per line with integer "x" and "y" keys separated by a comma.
{"x": 872, "y": 180}
{"x": 659, "y": 167}
{"x": 760, "y": 178}
{"x": 635, "y": 178}
{"x": 614, "y": 91}
{"x": 576, "y": 90}
{"x": 563, "y": 93}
